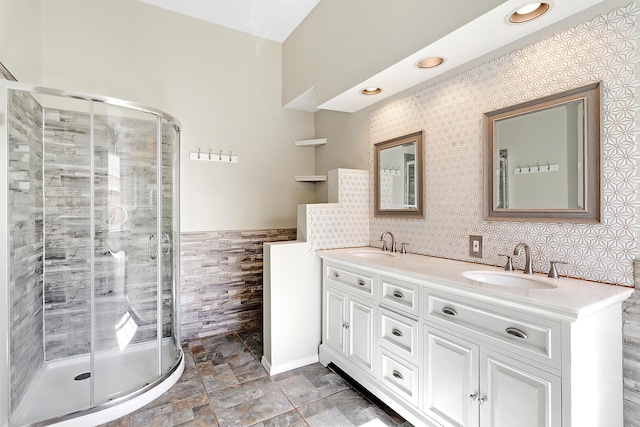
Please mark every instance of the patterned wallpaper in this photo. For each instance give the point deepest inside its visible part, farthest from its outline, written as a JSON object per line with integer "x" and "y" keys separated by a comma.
{"x": 451, "y": 114}
{"x": 346, "y": 223}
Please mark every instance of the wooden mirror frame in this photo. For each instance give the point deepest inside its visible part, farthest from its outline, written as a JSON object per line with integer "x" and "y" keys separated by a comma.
{"x": 417, "y": 212}
{"x": 591, "y": 212}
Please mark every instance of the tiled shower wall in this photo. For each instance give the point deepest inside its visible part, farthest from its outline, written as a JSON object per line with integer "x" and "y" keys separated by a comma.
{"x": 25, "y": 230}
{"x": 451, "y": 114}
{"x": 222, "y": 280}
{"x": 122, "y": 285}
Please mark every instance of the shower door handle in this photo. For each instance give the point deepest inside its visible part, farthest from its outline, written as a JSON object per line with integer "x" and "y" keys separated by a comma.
{"x": 152, "y": 244}
{"x": 166, "y": 236}
{"x": 153, "y": 254}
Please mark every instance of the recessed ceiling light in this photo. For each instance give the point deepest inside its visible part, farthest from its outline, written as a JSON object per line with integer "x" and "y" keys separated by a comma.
{"x": 371, "y": 91}
{"x": 528, "y": 12}
{"x": 430, "y": 62}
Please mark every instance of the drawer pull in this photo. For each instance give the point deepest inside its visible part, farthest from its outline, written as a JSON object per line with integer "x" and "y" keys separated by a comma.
{"x": 516, "y": 333}
{"x": 450, "y": 311}
{"x": 361, "y": 282}
{"x": 398, "y": 375}
{"x": 398, "y": 294}
{"x": 336, "y": 274}
{"x": 396, "y": 332}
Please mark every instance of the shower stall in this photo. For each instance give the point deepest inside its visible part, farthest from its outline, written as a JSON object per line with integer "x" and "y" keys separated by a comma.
{"x": 90, "y": 256}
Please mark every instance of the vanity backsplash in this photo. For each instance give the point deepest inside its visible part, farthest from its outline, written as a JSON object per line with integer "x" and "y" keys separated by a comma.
{"x": 451, "y": 115}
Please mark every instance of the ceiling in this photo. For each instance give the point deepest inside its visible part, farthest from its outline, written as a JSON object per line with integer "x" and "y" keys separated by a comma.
{"x": 270, "y": 19}
{"x": 277, "y": 19}
{"x": 458, "y": 48}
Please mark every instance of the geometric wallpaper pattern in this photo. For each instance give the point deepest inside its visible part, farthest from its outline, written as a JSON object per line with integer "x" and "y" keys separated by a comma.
{"x": 451, "y": 115}
{"x": 346, "y": 223}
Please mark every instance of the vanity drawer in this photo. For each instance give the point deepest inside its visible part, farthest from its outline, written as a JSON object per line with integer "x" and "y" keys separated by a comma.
{"x": 400, "y": 377}
{"x": 400, "y": 295}
{"x": 536, "y": 338}
{"x": 399, "y": 334}
{"x": 362, "y": 281}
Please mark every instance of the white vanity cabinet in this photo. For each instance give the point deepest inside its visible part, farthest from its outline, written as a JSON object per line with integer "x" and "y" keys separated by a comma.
{"x": 442, "y": 350}
{"x": 451, "y": 377}
{"x": 468, "y": 385}
{"x": 349, "y": 313}
{"x": 496, "y": 382}
{"x": 514, "y": 393}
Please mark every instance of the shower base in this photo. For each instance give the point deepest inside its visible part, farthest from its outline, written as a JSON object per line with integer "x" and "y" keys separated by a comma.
{"x": 56, "y": 398}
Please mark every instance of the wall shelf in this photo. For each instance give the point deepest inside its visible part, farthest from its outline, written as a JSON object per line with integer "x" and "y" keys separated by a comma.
{"x": 310, "y": 178}
{"x": 310, "y": 142}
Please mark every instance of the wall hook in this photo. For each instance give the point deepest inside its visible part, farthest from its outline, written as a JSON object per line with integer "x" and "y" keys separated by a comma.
{"x": 209, "y": 153}
{"x": 230, "y": 153}
{"x": 220, "y": 158}
{"x": 198, "y": 152}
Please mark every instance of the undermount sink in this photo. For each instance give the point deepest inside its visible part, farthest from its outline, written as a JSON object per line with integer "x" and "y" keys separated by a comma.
{"x": 372, "y": 254}
{"x": 509, "y": 280}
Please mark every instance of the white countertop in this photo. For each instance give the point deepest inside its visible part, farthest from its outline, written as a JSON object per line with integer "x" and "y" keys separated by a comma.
{"x": 569, "y": 299}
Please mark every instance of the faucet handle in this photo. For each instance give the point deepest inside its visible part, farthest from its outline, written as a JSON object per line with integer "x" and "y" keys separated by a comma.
{"x": 553, "y": 271}
{"x": 403, "y": 248}
{"x": 509, "y": 265}
{"x": 384, "y": 244}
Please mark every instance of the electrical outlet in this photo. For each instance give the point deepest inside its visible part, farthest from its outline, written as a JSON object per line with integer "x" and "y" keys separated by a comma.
{"x": 475, "y": 246}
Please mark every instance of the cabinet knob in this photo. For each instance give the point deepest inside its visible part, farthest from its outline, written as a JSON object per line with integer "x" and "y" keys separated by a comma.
{"x": 482, "y": 400}
{"x": 398, "y": 375}
{"x": 450, "y": 311}
{"x": 396, "y": 332}
{"x": 398, "y": 294}
{"x": 361, "y": 282}
{"x": 336, "y": 274}
{"x": 474, "y": 397}
{"x": 517, "y": 333}
{"x": 345, "y": 325}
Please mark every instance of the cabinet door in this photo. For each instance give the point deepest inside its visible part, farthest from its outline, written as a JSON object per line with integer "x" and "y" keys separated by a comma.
{"x": 517, "y": 394}
{"x": 361, "y": 333}
{"x": 335, "y": 305}
{"x": 451, "y": 379}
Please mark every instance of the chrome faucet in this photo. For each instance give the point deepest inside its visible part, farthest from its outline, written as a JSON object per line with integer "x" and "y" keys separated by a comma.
{"x": 384, "y": 242}
{"x": 527, "y": 256}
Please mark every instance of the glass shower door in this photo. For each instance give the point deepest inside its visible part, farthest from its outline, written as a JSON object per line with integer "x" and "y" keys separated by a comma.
{"x": 125, "y": 308}
{"x": 171, "y": 242}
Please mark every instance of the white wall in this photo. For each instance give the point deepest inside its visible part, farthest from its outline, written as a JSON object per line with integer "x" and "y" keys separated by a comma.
{"x": 347, "y": 144}
{"x": 20, "y": 37}
{"x": 223, "y": 85}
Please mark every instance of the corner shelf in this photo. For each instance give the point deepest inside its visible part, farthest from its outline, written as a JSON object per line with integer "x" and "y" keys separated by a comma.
{"x": 310, "y": 142}
{"x": 310, "y": 178}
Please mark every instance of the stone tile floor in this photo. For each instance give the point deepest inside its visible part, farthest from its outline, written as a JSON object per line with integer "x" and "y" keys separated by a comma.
{"x": 224, "y": 384}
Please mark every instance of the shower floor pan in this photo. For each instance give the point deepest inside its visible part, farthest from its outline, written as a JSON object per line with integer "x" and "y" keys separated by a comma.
{"x": 55, "y": 393}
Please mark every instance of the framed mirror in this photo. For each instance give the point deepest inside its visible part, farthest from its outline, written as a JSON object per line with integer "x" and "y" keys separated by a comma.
{"x": 398, "y": 177}
{"x": 542, "y": 159}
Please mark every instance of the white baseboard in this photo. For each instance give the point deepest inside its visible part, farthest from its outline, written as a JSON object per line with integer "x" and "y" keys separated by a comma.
{"x": 274, "y": 370}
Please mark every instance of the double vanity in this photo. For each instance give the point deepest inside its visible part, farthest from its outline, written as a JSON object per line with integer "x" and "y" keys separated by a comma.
{"x": 450, "y": 343}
